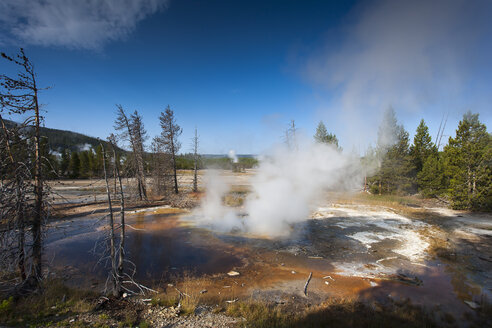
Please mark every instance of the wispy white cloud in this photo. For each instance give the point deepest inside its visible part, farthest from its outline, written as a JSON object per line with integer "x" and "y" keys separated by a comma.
{"x": 408, "y": 54}
{"x": 87, "y": 24}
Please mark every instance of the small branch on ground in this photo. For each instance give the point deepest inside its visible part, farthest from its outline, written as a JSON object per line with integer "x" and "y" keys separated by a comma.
{"x": 307, "y": 283}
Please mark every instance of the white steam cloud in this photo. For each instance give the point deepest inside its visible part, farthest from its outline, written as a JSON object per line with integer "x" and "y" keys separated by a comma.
{"x": 412, "y": 55}
{"x": 285, "y": 190}
{"x": 232, "y": 155}
{"x": 85, "y": 24}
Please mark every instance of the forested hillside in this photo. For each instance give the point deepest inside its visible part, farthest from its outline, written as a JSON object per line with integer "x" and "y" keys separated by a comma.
{"x": 60, "y": 140}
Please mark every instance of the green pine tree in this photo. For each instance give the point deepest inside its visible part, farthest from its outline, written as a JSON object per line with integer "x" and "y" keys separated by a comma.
{"x": 468, "y": 162}
{"x": 422, "y": 146}
{"x": 74, "y": 167}
{"x": 431, "y": 178}
{"x": 85, "y": 168}
{"x": 92, "y": 163}
{"x": 396, "y": 166}
{"x": 322, "y": 135}
{"x": 393, "y": 155}
{"x": 98, "y": 165}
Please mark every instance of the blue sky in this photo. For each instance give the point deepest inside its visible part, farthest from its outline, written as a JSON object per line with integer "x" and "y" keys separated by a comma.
{"x": 241, "y": 70}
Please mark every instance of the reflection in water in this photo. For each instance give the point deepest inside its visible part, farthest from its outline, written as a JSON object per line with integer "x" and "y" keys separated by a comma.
{"x": 161, "y": 247}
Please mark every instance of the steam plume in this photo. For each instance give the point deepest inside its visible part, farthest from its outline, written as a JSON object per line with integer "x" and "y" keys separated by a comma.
{"x": 232, "y": 155}
{"x": 285, "y": 190}
{"x": 413, "y": 55}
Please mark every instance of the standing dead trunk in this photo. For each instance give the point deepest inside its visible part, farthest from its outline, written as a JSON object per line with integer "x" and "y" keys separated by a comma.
{"x": 93, "y": 188}
{"x": 142, "y": 190}
{"x": 21, "y": 97}
{"x": 195, "y": 164}
{"x": 173, "y": 156}
{"x": 134, "y": 131}
{"x": 38, "y": 190}
{"x": 121, "y": 249}
{"x": 114, "y": 273}
{"x": 169, "y": 137}
{"x": 21, "y": 238}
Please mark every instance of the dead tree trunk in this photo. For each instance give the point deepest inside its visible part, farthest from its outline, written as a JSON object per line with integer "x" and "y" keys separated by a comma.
{"x": 169, "y": 136}
{"x": 176, "y": 191}
{"x": 38, "y": 189}
{"x": 19, "y": 96}
{"x": 114, "y": 273}
{"x": 195, "y": 164}
{"x": 121, "y": 249}
{"x": 19, "y": 208}
{"x": 21, "y": 238}
{"x": 134, "y": 131}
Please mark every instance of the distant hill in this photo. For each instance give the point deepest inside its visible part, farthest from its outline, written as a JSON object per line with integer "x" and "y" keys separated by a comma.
{"x": 59, "y": 140}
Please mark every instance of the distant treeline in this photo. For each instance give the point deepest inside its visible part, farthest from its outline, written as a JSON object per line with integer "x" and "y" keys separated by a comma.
{"x": 89, "y": 163}
{"x": 185, "y": 162}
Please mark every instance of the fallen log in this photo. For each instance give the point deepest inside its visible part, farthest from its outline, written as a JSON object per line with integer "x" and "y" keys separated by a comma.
{"x": 307, "y": 283}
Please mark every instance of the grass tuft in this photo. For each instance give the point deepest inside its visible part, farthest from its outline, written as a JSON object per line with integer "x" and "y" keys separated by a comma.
{"x": 53, "y": 301}
{"x": 332, "y": 313}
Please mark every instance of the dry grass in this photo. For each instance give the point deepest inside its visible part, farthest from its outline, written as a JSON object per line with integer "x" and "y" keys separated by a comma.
{"x": 234, "y": 199}
{"x": 53, "y": 300}
{"x": 187, "y": 303}
{"x": 332, "y": 313}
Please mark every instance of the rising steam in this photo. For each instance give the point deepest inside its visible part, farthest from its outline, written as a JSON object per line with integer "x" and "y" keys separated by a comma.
{"x": 285, "y": 190}
{"x": 232, "y": 155}
{"x": 418, "y": 56}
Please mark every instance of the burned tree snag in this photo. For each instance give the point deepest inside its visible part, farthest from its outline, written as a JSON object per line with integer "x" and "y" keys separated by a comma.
{"x": 19, "y": 96}
{"x": 132, "y": 129}
{"x": 195, "y": 161}
{"x": 114, "y": 273}
{"x": 169, "y": 137}
{"x": 121, "y": 248}
{"x": 38, "y": 190}
{"x": 19, "y": 206}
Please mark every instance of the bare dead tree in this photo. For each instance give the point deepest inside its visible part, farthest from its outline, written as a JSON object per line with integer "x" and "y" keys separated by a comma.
{"x": 169, "y": 138}
{"x": 114, "y": 271}
{"x": 441, "y": 131}
{"x": 121, "y": 247}
{"x": 162, "y": 173}
{"x": 132, "y": 129}
{"x": 13, "y": 192}
{"x": 121, "y": 276}
{"x": 290, "y": 136}
{"x": 195, "y": 161}
{"x": 139, "y": 136}
{"x": 19, "y": 96}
